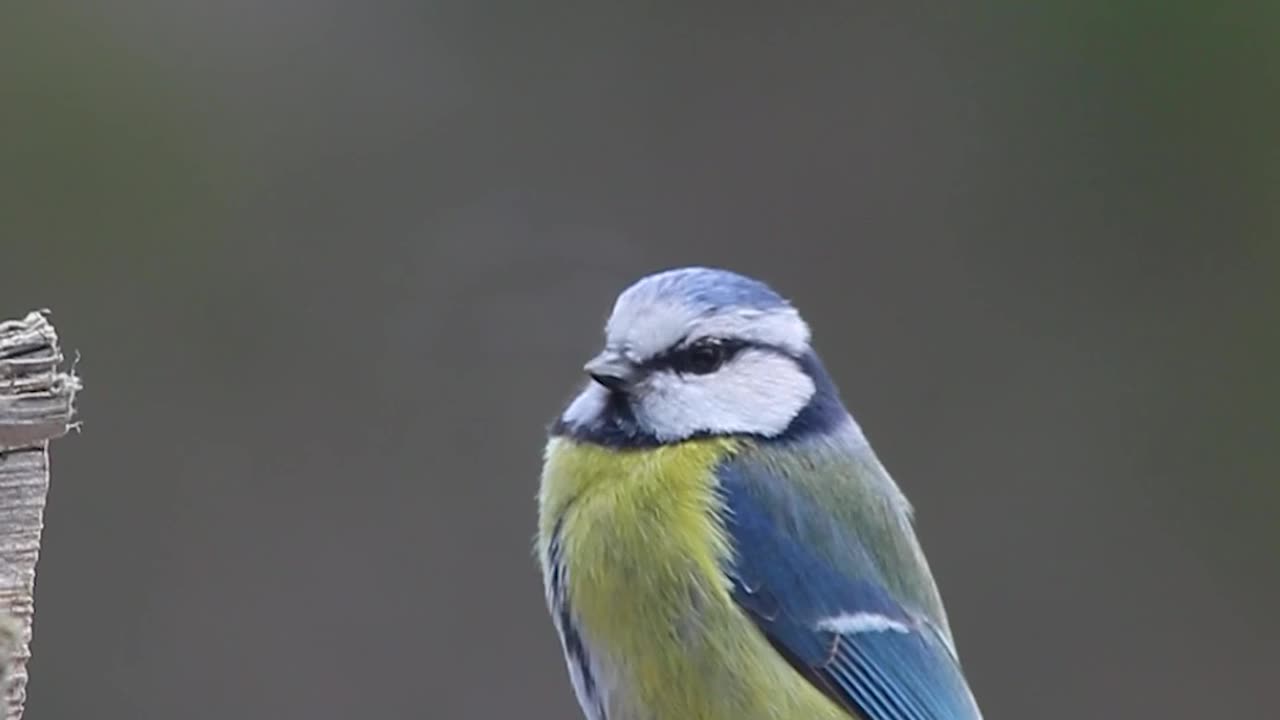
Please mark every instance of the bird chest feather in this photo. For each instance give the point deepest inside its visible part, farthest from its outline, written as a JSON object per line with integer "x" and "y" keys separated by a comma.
{"x": 639, "y": 533}
{"x": 634, "y": 548}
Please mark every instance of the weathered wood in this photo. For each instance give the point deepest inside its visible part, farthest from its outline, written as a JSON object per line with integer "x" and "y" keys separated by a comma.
{"x": 36, "y": 405}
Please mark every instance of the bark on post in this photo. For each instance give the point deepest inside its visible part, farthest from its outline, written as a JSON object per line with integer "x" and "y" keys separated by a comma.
{"x": 36, "y": 396}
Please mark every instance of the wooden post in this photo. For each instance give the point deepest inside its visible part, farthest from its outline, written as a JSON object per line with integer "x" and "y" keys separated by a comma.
{"x": 36, "y": 405}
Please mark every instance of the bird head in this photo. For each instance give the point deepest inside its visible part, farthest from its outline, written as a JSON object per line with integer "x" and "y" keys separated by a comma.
{"x": 696, "y": 352}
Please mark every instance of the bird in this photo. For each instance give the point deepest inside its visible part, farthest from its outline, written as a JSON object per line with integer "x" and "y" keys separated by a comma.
{"x": 716, "y": 537}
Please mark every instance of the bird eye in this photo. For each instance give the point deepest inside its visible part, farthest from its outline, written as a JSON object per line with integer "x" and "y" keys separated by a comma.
{"x": 701, "y": 358}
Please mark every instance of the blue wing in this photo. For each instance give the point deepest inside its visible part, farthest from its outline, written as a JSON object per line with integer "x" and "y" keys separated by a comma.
{"x": 847, "y": 635}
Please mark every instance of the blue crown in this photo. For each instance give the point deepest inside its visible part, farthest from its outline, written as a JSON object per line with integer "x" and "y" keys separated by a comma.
{"x": 708, "y": 288}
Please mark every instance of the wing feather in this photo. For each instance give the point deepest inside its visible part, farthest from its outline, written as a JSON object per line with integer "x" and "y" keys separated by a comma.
{"x": 840, "y": 627}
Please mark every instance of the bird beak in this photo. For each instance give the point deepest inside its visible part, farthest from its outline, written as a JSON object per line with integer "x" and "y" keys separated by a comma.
{"x": 611, "y": 370}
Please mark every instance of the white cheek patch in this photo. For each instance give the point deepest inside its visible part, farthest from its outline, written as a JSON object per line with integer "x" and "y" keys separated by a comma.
{"x": 758, "y": 392}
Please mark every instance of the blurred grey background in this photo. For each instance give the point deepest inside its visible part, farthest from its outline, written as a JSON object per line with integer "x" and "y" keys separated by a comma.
{"x": 332, "y": 267}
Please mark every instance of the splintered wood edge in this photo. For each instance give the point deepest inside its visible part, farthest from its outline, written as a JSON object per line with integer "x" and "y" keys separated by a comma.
{"x": 36, "y": 405}
{"x": 36, "y": 395}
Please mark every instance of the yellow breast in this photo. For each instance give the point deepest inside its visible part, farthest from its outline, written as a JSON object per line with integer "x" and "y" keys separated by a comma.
{"x": 643, "y": 546}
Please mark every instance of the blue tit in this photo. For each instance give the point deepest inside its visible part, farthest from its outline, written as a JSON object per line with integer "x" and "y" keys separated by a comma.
{"x": 717, "y": 539}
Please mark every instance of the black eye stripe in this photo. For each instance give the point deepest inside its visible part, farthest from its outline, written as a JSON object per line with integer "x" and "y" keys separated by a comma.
{"x": 700, "y": 357}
